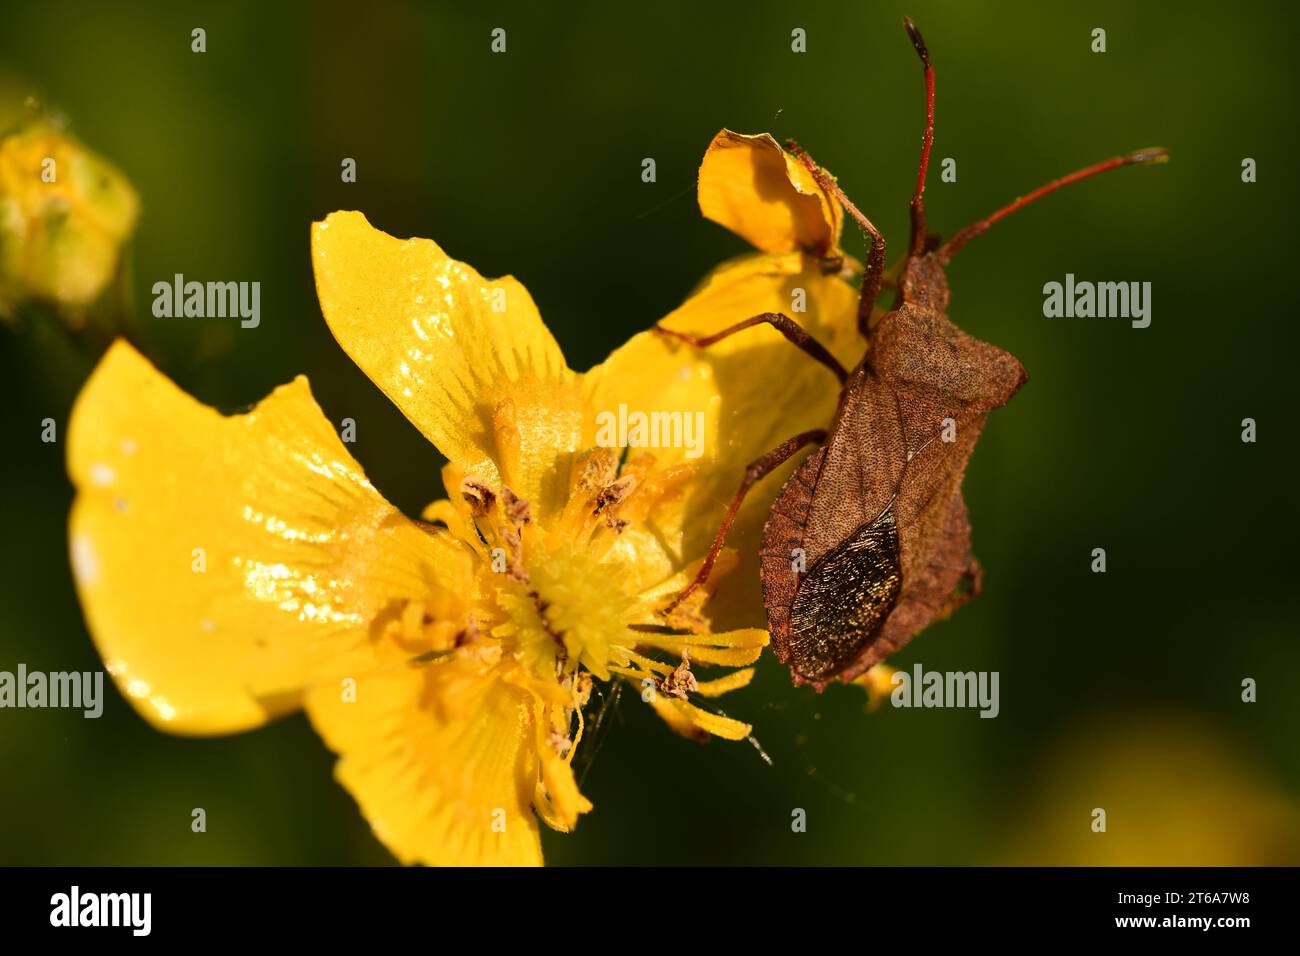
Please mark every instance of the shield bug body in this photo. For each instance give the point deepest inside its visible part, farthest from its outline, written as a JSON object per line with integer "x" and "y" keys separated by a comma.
{"x": 876, "y": 512}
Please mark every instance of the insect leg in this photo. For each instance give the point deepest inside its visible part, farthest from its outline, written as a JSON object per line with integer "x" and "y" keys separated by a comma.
{"x": 793, "y": 332}
{"x": 873, "y": 277}
{"x": 758, "y": 469}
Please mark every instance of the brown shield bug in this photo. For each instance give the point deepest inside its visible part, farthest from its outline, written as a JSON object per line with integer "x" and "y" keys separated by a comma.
{"x": 869, "y": 541}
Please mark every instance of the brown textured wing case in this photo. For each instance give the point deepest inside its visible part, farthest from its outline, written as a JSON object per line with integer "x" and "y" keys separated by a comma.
{"x": 878, "y": 510}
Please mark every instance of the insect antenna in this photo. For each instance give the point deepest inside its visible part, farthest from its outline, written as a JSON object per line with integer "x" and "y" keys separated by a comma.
{"x": 1140, "y": 157}
{"x": 917, "y": 244}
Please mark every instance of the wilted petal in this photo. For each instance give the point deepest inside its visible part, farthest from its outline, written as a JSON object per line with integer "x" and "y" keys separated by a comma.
{"x": 764, "y": 194}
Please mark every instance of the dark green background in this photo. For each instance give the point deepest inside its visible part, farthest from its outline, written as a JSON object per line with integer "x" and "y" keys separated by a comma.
{"x": 529, "y": 163}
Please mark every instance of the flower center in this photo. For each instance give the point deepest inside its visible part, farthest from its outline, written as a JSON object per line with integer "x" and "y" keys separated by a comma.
{"x": 570, "y": 610}
{"x": 582, "y": 604}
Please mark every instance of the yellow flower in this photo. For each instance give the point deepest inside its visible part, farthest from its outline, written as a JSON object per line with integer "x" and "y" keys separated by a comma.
{"x": 65, "y": 215}
{"x": 233, "y": 569}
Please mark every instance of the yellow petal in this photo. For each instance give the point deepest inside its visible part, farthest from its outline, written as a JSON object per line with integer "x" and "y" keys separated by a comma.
{"x": 226, "y": 562}
{"x": 446, "y": 789}
{"x": 754, "y": 390}
{"x": 762, "y": 193}
{"x": 449, "y": 348}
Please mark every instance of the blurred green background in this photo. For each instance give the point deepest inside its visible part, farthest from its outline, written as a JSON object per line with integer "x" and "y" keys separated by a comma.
{"x": 1119, "y": 690}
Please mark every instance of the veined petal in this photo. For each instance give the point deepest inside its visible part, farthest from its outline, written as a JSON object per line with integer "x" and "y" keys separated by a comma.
{"x": 762, "y": 193}
{"x": 225, "y": 563}
{"x": 753, "y": 390}
{"x": 446, "y": 788}
{"x": 450, "y": 348}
